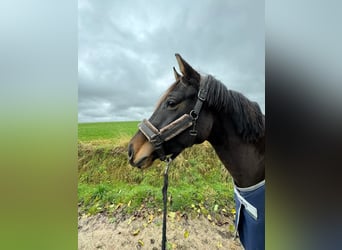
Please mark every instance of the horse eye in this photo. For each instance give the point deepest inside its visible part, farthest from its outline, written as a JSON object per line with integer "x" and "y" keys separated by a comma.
{"x": 171, "y": 104}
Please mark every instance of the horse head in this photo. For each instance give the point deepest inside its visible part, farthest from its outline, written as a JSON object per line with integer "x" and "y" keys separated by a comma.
{"x": 180, "y": 120}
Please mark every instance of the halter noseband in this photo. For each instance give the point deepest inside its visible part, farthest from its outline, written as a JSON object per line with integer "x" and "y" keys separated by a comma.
{"x": 158, "y": 136}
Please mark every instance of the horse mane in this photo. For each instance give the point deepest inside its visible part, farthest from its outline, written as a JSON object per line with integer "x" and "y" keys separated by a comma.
{"x": 246, "y": 115}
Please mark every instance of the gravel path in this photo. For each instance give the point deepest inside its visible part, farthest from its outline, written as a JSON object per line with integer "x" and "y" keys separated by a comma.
{"x": 101, "y": 232}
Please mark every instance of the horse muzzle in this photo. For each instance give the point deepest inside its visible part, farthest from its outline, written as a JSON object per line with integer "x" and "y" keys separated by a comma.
{"x": 140, "y": 151}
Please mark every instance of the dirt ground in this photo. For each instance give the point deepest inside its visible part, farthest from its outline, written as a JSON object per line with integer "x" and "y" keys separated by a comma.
{"x": 101, "y": 232}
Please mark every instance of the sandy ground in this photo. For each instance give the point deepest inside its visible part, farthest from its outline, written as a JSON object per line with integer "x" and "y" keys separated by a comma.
{"x": 101, "y": 232}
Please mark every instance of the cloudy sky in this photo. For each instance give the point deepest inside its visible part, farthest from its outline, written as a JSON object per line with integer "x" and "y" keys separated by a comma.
{"x": 126, "y": 51}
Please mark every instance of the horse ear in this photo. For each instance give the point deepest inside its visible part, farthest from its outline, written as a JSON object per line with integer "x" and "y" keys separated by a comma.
{"x": 177, "y": 75}
{"x": 186, "y": 69}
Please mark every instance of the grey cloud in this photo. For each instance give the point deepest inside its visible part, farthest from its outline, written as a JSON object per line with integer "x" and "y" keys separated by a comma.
{"x": 126, "y": 51}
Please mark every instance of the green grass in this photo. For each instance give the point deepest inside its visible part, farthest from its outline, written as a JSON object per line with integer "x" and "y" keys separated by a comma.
{"x": 107, "y": 183}
{"x": 106, "y": 130}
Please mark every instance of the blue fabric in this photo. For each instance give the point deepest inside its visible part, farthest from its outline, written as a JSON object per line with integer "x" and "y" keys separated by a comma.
{"x": 251, "y": 231}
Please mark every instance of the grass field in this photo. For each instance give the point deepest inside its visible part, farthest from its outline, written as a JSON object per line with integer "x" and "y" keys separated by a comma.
{"x": 106, "y": 130}
{"x": 198, "y": 182}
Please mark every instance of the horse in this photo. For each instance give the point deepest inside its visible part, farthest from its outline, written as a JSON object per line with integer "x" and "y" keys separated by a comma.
{"x": 198, "y": 108}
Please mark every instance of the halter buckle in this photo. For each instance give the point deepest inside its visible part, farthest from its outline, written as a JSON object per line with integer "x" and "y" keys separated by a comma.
{"x": 202, "y": 94}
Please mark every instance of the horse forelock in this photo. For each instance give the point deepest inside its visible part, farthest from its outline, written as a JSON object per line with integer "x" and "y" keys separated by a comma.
{"x": 183, "y": 81}
{"x": 165, "y": 95}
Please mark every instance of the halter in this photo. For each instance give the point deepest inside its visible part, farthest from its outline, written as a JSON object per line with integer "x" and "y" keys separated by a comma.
{"x": 158, "y": 136}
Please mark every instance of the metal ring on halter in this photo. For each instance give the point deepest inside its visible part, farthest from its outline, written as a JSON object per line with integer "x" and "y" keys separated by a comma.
{"x": 193, "y": 115}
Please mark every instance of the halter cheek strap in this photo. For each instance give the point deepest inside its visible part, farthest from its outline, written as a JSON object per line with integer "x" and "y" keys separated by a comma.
{"x": 158, "y": 137}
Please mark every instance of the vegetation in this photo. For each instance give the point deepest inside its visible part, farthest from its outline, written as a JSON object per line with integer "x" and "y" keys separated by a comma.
{"x": 112, "y": 131}
{"x": 198, "y": 182}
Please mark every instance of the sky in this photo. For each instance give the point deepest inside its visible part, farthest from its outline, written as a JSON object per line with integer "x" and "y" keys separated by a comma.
{"x": 126, "y": 51}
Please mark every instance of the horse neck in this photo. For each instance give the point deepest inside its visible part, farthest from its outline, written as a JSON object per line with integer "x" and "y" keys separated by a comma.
{"x": 244, "y": 161}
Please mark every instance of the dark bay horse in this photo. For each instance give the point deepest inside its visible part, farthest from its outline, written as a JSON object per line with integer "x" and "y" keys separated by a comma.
{"x": 196, "y": 108}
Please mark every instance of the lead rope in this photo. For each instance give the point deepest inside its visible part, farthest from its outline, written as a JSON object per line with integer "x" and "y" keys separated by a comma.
{"x": 164, "y": 191}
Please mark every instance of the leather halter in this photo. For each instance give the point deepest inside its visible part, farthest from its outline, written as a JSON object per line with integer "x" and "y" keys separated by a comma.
{"x": 158, "y": 136}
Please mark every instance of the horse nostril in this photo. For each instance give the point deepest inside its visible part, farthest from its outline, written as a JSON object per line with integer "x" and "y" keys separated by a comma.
{"x": 130, "y": 152}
